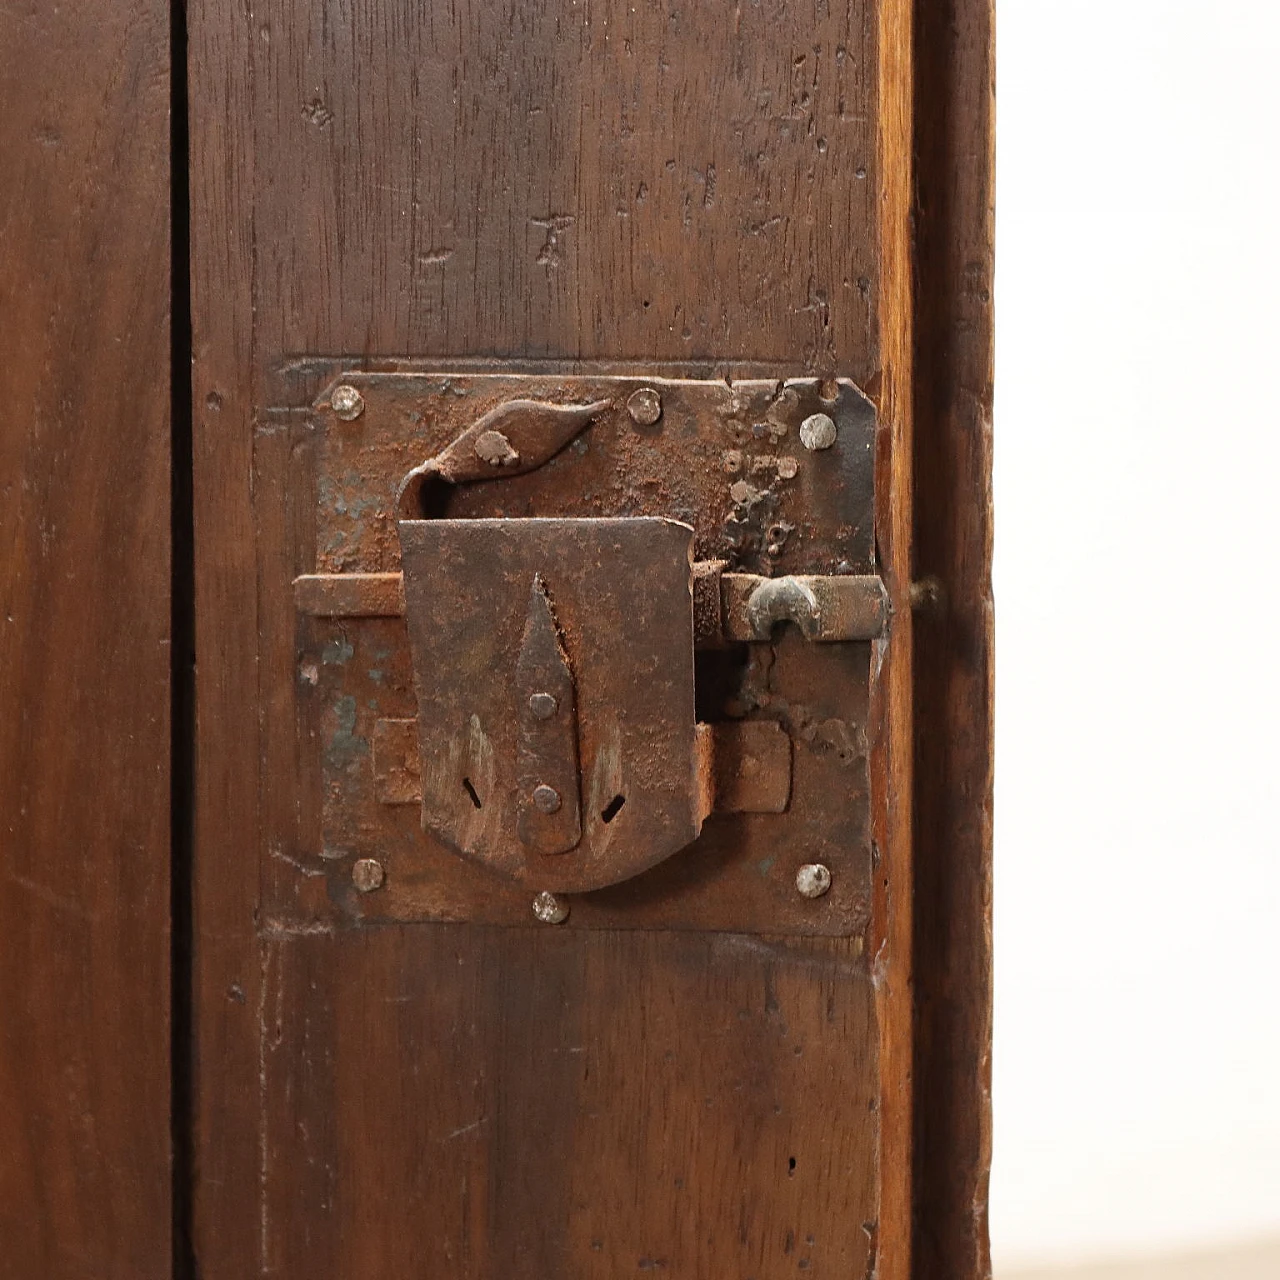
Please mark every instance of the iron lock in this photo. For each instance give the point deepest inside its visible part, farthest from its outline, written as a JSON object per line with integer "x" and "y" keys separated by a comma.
{"x": 568, "y": 670}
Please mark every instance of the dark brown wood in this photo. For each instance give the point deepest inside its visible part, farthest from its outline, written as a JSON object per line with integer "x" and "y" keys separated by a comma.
{"x": 686, "y": 186}
{"x": 955, "y": 106}
{"x": 84, "y": 642}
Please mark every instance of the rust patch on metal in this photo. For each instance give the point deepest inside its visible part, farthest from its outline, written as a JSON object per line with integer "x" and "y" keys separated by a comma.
{"x": 825, "y": 608}
{"x": 708, "y": 620}
{"x": 549, "y": 808}
{"x": 349, "y": 595}
{"x": 726, "y": 606}
{"x": 744, "y": 766}
{"x": 396, "y": 769}
{"x": 624, "y": 616}
{"x": 798, "y": 513}
{"x": 752, "y": 766}
{"x": 513, "y": 438}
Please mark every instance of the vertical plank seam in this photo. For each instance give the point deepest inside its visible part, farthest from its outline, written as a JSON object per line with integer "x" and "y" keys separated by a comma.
{"x": 181, "y": 656}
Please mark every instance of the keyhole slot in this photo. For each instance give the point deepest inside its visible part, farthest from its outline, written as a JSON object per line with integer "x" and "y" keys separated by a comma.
{"x": 471, "y": 791}
{"x": 612, "y": 809}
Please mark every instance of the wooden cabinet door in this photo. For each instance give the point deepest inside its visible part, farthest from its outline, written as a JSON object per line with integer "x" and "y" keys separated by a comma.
{"x": 87, "y": 645}
{"x": 566, "y": 190}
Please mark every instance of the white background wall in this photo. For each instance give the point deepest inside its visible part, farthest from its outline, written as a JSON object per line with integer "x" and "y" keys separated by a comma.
{"x": 1137, "y": 1068}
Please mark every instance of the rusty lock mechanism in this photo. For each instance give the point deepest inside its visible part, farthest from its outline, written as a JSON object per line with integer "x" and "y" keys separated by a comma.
{"x": 558, "y": 660}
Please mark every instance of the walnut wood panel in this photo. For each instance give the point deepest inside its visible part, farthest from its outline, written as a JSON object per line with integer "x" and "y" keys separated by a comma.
{"x": 84, "y": 642}
{"x": 537, "y": 178}
{"x": 704, "y": 187}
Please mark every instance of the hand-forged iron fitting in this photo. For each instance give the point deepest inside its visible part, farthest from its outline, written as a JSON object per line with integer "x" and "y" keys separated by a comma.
{"x": 784, "y": 600}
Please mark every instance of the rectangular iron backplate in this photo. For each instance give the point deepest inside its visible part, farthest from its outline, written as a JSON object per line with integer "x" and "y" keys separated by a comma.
{"x": 607, "y": 638}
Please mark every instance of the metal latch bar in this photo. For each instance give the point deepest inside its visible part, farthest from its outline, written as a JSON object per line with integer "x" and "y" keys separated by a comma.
{"x": 826, "y": 607}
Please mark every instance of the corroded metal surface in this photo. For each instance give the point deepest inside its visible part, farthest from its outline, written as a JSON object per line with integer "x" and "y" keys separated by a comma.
{"x": 749, "y": 763}
{"x": 350, "y": 595}
{"x": 509, "y": 440}
{"x": 752, "y": 768}
{"x": 730, "y": 607}
{"x": 825, "y": 607}
{"x": 725, "y": 460}
{"x": 616, "y": 656}
{"x": 548, "y": 794}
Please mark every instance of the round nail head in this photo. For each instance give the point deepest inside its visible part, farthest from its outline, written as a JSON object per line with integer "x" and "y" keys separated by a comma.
{"x": 347, "y": 402}
{"x": 818, "y": 431}
{"x": 543, "y": 705}
{"x": 367, "y": 874}
{"x": 645, "y": 407}
{"x": 495, "y": 449}
{"x": 813, "y": 880}
{"x": 546, "y": 798}
{"x": 549, "y": 909}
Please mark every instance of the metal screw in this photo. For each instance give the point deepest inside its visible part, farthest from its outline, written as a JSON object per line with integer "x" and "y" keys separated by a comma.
{"x": 367, "y": 874}
{"x": 818, "y": 431}
{"x": 813, "y": 880}
{"x": 546, "y": 798}
{"x": 347, "y": 402}
{"x": 549, "y": 909}
{"x": 543, "y": 705}
{"x": 645, "y": 407}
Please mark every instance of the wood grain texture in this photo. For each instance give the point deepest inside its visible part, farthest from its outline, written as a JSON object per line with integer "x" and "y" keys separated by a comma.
{"x": 84, "y": 643}
{"x": 955, "y": 105}
{"x": 685, "y": 184}
{"x": 892, "y": 774}
{"x": 229, "y": 1019}
{"x": 537, "y": 178}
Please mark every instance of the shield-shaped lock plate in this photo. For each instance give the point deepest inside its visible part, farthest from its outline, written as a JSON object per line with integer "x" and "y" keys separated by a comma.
{"x": 553, "y": 661}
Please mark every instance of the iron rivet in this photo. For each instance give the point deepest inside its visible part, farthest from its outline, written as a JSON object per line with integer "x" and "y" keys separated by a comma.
{"x": 549, "y": 909}
{"x": 367, "y": 874}
{"x": 645, "y": 407}
{"x": 543, "y": 705}
{"x": 495, "y": 449}
{"x": 818, "y": 431}
{"x": 813, "y": 880}
{"x": 347, "y": 402}
{"x": 546, "y": 798}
